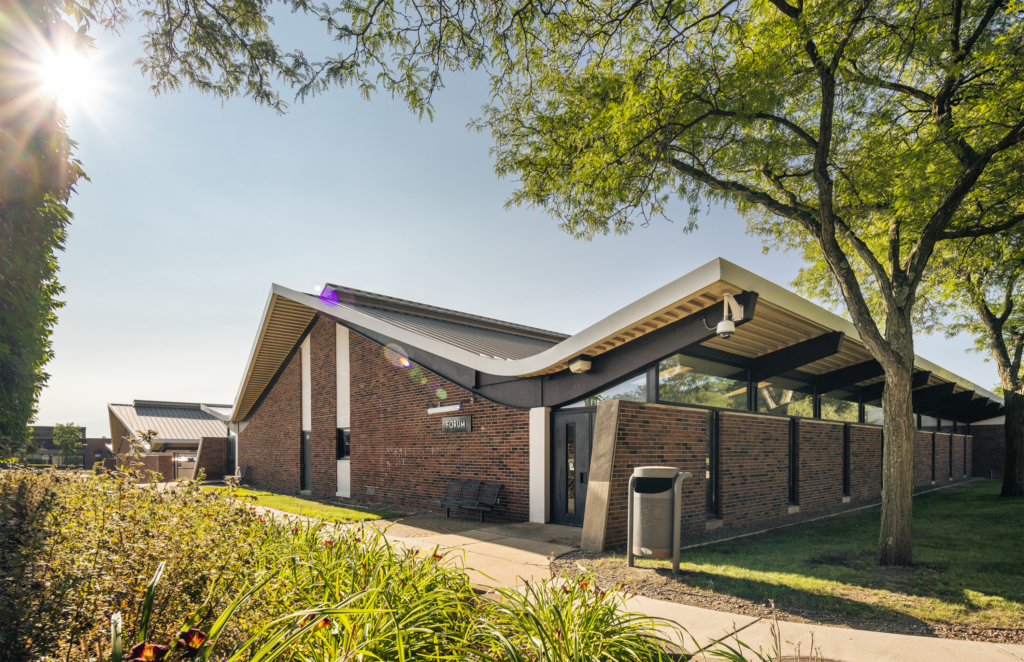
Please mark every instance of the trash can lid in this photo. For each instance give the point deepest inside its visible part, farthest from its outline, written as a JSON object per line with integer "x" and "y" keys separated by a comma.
{"x": 655, "y": 472}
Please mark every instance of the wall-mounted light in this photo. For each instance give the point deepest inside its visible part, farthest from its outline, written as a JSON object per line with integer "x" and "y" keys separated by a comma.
{"x": 580, "y": 364}
{"x": 444, "y": 410}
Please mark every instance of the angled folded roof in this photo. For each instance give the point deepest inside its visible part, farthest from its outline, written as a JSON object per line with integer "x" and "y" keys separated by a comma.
{"x": 505, "y": 349}
{"x": 173, "y": 421}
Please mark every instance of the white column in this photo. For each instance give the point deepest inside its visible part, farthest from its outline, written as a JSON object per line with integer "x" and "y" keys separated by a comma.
{"x": 344, "y": 372}
{"x": 540, "y": 458}
{"x": 344, "y": 389}
{"x": 307, "y": 389}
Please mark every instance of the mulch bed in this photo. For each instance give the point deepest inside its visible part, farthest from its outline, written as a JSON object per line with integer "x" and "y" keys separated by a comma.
{"x": 660, "y": 584}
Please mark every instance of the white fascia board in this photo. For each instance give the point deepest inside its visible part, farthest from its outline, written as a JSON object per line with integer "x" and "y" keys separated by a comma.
{"x": 118, "y": 428}
{"x": 219, "y": 413}
{"x": 660, "y": 299}
{"x": 794, "y": 303}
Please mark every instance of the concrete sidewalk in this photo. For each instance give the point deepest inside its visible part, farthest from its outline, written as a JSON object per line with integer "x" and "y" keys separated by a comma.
{"x": 839, "y": 644}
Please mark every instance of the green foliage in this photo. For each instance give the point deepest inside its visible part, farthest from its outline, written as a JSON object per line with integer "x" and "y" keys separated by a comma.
{"x": 67, "y": 437}
{"x": 37, "y": 176}
{"x": 96, "y": 541}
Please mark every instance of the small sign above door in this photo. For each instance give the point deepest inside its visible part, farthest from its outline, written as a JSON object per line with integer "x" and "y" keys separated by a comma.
{"x": 457, "y": 424}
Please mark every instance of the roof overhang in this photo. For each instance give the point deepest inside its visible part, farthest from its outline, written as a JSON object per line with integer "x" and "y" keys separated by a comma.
{"x": 783, "y": 319}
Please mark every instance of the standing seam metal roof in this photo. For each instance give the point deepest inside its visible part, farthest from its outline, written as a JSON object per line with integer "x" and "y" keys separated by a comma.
{"x": 175, "y": 423}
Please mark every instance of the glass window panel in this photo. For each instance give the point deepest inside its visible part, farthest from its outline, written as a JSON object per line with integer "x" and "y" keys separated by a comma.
{"x": 928, "y": 423}
{"x": 873, "y": 415}
{"x": 834, "y": 409}
{"x": 691, "y": 381}
{"x": 570, "y": 463}
{"x": 773, "y": 399}
{"x": 633, "y": 389}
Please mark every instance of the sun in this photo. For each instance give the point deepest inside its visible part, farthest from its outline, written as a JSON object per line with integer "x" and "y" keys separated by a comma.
{"x": 70, "y": 77}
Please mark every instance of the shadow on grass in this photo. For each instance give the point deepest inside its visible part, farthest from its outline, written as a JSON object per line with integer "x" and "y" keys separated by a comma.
{"x": 968, "y": 556}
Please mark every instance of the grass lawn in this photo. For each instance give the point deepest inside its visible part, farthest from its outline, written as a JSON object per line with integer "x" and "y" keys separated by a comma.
{"x": 968, "y": 564}
{"x": 308, "y": 506}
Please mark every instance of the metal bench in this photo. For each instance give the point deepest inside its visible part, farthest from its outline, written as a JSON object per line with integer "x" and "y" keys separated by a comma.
{"x": 470, "y": 495}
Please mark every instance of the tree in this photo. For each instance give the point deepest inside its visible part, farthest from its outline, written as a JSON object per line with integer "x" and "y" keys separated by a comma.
{"x": 37, "y": 176}
{"x": 870, "y": 131}
{"x": 982, "y": 281}
{"x": 67, "y": 437}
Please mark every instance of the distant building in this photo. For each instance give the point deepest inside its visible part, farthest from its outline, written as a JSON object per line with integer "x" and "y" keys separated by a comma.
{"x": 180, "y": 427}
{"x": 92, "y": 450}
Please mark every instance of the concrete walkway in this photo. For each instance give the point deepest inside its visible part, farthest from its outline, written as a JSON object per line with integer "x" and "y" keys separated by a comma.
{"x": 831, "y": 643}
{"x": 492, "y": 554}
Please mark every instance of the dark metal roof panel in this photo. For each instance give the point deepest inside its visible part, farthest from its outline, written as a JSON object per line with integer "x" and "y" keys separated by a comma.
{"x": 486, "y": 342}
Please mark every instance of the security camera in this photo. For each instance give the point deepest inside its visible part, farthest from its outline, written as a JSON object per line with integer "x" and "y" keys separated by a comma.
{"x": 732, "y": 311}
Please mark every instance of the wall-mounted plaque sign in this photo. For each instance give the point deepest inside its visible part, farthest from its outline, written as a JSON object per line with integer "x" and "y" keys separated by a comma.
{"x": 457, "y": 424}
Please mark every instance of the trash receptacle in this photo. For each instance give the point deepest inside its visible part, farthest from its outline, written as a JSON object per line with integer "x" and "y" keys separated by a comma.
{"x": 653, "y": 526}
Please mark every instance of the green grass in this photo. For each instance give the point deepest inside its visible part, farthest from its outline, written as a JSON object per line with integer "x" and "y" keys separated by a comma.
{"x": 308, "y": 506}
{"x": 968, "y": 564}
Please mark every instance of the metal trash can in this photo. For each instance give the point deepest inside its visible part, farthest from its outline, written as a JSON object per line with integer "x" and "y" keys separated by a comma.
{"x": 653, "y": 526}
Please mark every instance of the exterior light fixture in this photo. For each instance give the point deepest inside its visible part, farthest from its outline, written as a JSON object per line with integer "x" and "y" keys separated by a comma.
{"x": 580, "y": 364}
{"x": 444, "y": 410}
{"x": 733, "y": 311}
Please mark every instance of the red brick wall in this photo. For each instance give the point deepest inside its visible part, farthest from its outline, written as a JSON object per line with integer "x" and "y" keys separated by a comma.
{"x": 820, "y": 454}
{"x": 958, "y": 456}
{"x": 753, "y": 467}
{"x": 923, "y": 459}
{"x": 161, "y": 464}
{"x": 269, "y": 446}
{"x": 323, "y": 349}
{"x": 212, "y": 457}
{"x": 658, "y": 435}
{"x": 399, "y": 450}
{"x": 865, "y": 462}
{"x": 988, "y": 450}
{"x": 941, "y": 458}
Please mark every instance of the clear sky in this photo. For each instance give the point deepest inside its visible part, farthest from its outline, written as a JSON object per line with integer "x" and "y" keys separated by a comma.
{"x": 195, "y": 208}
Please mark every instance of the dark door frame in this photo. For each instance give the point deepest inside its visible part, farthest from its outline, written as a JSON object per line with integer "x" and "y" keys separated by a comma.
{"x": 582, "y": 419}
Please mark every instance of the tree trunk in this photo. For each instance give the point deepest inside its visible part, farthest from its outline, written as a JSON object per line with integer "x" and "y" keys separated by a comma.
{"x": 895, "y": 539}
{"x": 1013, "y": 474}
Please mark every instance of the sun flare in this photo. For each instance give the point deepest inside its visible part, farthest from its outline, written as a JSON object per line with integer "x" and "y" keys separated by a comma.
{"x": 70, "y": 77}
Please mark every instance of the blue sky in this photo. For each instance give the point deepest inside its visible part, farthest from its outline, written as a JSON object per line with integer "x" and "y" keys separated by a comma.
{"x": 196, "y": 207}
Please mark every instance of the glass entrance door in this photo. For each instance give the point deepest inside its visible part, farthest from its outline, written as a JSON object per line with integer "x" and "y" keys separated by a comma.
{"x": 571, "y": 439}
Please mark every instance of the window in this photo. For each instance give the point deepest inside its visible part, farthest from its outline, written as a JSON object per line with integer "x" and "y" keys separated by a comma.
{"x": 343, "y": 443}
{"x": 834, "y": 409}
{"x": 777, "y": 399}
{"x": 692, "y": 381}
{"x": 633, "y": 389}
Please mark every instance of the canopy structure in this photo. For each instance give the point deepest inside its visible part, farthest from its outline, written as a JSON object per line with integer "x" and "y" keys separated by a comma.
{"x": 779, "y": 336}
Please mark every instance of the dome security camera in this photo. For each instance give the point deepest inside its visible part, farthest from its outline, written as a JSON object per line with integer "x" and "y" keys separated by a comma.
{"x": 732, "y": 310}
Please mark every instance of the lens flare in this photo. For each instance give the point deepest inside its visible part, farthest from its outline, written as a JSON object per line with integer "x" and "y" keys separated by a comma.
{"x": 441, "y": 394}
{"x": 69, "y": 76}
{"x": 329, "y": 296}
{"x": 397, "y": 356}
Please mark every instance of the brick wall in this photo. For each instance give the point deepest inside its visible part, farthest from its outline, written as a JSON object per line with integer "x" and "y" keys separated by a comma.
{"x": 658, "y": 435}
{"x": 969, "y": 441}
{"x": 753, "y": 467}
{"x": 399, "y": 450}
{"x": 161, "y": 464}
{"x": 988, "y": 450}
{"x": 865, "y": 462}
{"x": 820, "y": 457}
{"x": 323, "y": 349}
{"x": 941, "y": 458}
{"x": 269, "y": 446}
{"x": 922, "y": 459}
{"x": 212, "y": 457}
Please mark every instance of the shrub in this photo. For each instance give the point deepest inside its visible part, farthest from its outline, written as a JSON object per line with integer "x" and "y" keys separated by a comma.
{"x": 91, "y": 544}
